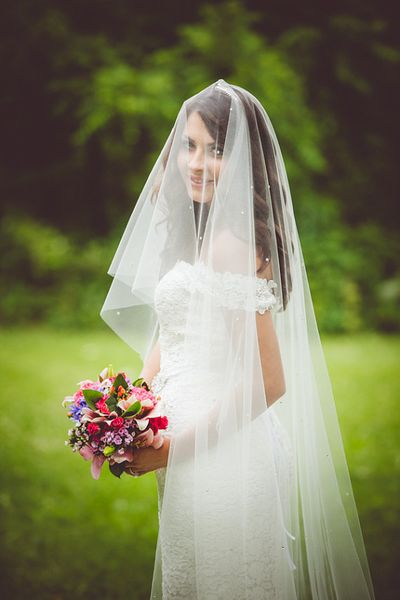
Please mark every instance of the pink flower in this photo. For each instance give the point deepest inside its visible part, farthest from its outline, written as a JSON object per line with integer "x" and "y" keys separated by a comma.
{"x": 145, "y": 439}
{"x": 97, "y": 460}
{"x": 97, "y": 463}
{"x": 125, "y": 404}
{"x": 147, "y": 403}
{"x": 155, "y": 412}
{"x": 117, "y": 422}
{"x": 102, "y": 406}
{"x": 122, "y": 455}
{"x": 86, "y": 452}
{"x": 78, "y": 396}
{"x": 158, "y": 441}
{"x": 87, "y": 384}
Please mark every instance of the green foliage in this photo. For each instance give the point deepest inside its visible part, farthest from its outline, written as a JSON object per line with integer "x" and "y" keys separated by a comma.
{"x": 116, "y": 106}
{"x": 379, "y": 275}
{"x": 91, "y": 396}
{"x": 121, "y": 105}
{"x": 333, "y": 266}
{"x": 346, "y": 270}
{"x": 132, "y": 410}
{"x": 49, "y": 276}
{"x": 46, "y": 275}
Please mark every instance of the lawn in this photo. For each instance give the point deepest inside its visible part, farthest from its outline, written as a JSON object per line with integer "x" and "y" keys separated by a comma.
{"x": 64, "y": 535}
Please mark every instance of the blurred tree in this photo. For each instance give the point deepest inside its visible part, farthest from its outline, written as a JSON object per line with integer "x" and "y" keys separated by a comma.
{"x": 350, "y": 71}
{"x": 122, "y": 107}
{"x": 344, "y": 52}
{"x": 93, "y": 89}
{"x": 47, "y": 277}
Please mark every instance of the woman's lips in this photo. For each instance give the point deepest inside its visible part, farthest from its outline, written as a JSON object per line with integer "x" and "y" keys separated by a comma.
{"x": 198, "y": 181}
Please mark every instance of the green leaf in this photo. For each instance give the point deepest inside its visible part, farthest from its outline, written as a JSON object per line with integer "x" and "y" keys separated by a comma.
{"x": 140, "y": 383}
{"x": 91, "y": 397}
{"x": 133, "y": 409}
{"x": 120, "y": 380}
{"x": 117, "y": 469}
{"x": 111, "y": 403}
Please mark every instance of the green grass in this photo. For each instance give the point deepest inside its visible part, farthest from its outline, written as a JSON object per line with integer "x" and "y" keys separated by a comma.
{"x": 64, "y": 535}
{"x": 366, "y": 383}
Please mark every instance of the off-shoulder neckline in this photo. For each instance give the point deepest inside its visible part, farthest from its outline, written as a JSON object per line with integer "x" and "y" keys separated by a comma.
{"x": 271, "y": 283}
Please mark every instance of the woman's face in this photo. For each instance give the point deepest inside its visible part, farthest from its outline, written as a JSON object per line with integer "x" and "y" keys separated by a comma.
{"x": 199, "y": 160}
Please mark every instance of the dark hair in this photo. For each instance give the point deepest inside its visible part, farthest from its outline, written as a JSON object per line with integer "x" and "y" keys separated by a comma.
{"x": 268, "y": 192}
{"x": 213, "y": 108}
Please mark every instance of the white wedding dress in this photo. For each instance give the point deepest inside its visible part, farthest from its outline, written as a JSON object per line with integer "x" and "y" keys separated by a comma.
{"x": 179, "y": 383}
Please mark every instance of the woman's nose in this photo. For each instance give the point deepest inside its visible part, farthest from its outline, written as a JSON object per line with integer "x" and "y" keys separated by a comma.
{"x": 196, "y": 160}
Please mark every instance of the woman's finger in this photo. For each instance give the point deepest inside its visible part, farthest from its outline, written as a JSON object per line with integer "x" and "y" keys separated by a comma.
{"x": 133, "y": 471}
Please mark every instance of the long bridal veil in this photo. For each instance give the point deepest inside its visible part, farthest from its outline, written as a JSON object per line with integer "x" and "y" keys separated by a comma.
{"x": 233, "y": 221}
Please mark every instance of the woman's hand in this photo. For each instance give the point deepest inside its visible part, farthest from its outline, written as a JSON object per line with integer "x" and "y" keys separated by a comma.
{"x": 148, "y": 459}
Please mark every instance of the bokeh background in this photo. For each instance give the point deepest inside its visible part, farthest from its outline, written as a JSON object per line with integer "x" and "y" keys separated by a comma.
{"x": 90, "y": 90}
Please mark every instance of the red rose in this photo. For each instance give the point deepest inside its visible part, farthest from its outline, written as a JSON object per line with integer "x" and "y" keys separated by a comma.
{"x": 117, "y": 422}
{"x": 163, "y": 422}
{"x": 158, "y": 423}
{"x": 93, "y": 428}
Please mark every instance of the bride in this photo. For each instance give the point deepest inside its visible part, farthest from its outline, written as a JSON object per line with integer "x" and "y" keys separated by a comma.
{"x": 255, "y": 499}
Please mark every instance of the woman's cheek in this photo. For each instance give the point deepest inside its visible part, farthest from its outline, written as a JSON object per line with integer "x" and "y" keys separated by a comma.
{"x": 214, "y": 169}
{"x": 182, "y": 165}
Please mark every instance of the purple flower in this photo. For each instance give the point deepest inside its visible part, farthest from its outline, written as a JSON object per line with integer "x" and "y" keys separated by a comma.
{"x": 76, "y": 410}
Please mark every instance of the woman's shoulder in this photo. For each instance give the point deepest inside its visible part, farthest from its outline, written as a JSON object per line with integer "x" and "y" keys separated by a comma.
{"x": 230, "y": 253}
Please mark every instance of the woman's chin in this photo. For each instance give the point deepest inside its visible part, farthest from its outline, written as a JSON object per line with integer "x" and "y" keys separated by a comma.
{"x": 202, "y": 200}
{"x": 199, "y": 197}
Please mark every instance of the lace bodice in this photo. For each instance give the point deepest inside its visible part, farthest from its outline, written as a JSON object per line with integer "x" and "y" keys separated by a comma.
{"x": 228, "y": 289}
{"x": 172, "y": 297}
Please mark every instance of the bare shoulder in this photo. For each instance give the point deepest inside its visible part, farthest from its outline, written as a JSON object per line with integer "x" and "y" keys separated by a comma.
{"x": 227, "y": 237}
{"x": 229, "y": 252}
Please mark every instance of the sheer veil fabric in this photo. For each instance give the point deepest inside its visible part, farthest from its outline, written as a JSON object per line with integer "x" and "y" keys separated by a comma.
{"x": 256, "y": 500}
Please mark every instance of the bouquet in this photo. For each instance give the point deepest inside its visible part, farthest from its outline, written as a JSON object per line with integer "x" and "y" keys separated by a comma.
{"x": 112, "y": 417}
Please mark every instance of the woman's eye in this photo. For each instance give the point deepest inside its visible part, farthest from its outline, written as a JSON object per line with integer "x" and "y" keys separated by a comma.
{"x": 187, "y": 144}
{"x": 214, "y": 150}
{"x": 217, "y": 150}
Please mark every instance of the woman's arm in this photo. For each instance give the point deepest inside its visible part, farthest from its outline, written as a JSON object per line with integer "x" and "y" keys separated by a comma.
{"x": 152, "y": 364}
{"x": 271, "y": 362}
{"x": 270, "y": 356}
{"x": 149, "y": 459}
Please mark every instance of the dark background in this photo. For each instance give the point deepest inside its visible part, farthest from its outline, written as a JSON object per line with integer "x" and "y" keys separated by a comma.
{"x": 91, "y": 89}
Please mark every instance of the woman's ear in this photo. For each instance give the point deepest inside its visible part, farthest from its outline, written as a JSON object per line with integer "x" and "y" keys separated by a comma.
{"x": 263, "y": 267}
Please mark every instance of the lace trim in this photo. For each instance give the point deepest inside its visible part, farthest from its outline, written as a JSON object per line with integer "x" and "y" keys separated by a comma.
{"x": 231, "y": 289}
{"x": 158, "y": 382}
